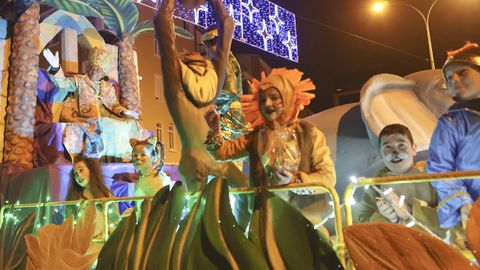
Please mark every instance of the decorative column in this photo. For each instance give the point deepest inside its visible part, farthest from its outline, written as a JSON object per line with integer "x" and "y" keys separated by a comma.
{"x": 22, "y": 95}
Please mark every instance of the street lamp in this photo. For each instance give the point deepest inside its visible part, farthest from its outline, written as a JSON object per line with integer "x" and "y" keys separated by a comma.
{"x": 379, "y": 6}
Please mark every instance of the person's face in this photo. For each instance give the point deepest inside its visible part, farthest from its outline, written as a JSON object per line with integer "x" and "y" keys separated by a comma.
{"x": 142, "y": 158}
{"x": 96, "y": 73}
{"x": 463, "y": 81}
{"x": 81, "y": 174}
{"x": 397, "y": 152}
{"x": 271, "y": 104}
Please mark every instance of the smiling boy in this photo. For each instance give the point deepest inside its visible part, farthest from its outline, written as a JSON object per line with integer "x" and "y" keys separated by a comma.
{"x": 397, "y": 149}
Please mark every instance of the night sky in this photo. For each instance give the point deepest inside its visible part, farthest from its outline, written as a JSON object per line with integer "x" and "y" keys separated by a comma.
{"x": 335, "y": 60}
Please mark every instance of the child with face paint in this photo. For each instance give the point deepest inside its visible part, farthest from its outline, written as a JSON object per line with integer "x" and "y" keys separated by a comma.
{"x": 397, "y": 150}
{"x": 147, "y": 158}
{"x": 88, "y": 183}
{"x": 282, "y": 149}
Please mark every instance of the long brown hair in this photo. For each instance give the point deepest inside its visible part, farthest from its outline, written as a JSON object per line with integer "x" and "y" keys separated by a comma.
{"x": 96, "y": 181}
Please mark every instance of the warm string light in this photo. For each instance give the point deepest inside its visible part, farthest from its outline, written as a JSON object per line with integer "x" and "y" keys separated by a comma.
{"x": 259, "y": 23}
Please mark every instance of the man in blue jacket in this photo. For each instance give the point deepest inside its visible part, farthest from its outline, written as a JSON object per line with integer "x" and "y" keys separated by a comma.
{"x": 456, "y": 140}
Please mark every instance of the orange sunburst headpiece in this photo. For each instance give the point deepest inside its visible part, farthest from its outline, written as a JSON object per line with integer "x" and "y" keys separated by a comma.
{"x": 292, "y": 88}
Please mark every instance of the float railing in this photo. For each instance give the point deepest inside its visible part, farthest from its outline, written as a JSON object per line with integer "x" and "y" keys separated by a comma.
{"x": 340, "y": 246}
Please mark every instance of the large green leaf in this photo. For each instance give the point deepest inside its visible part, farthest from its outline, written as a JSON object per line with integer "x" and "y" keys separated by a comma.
{"x": 119, "y": 15}
{"x": 224, "y": 234}
{"x": 80, "y": 7}
{"x": 148, "y": 244}
{"x": 116, "y": 251}
{"x": 186, "y": 234}
{"x": 13, "y": 252}
{"x": 155, "y": 233}
{"x": 287, "y": 238}
{"x": 147, "y": 26}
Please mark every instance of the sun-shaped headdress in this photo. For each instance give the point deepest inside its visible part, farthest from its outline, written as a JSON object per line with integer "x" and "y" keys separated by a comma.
{"x": 293, "y": 89}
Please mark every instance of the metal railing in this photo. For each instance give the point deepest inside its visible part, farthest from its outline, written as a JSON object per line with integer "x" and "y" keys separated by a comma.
{"x": 348, "y": 195}
{"x": 105, "y": 202}
{"x": 403, "y": 179}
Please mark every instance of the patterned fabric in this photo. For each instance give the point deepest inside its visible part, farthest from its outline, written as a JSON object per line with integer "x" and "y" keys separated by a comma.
{"x": 82, "y": 111}
{"x": 101, "y": 56}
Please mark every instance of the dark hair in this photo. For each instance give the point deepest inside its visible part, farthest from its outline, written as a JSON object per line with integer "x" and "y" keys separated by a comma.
{"x": 96, "y": 181}
{"x": 395, "y": 129}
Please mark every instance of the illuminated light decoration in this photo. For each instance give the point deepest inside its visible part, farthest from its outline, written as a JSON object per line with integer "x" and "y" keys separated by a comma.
{"x": 276, "y": 20}
{"x": 251, "y": 9}
{"x": 196, "y": 12}
{"x": 249, "y": 17}
{"x": 290, "y": 44}
{"x": 266, "y": 36}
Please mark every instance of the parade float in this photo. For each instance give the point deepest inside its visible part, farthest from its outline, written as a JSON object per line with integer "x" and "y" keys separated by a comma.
{"x": 189, "y": 225}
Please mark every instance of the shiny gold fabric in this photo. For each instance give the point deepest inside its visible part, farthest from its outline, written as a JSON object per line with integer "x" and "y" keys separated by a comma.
{"x": 315, "y": 163}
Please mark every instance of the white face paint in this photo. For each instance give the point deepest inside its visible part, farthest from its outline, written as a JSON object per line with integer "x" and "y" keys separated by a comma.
{"x": 397, "y": 152}
{"x": 395, "y": 157}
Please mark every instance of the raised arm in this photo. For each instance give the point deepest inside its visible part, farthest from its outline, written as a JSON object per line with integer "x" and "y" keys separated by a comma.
{"x": 164, "y": 32}
{"x": 225, "y": 26}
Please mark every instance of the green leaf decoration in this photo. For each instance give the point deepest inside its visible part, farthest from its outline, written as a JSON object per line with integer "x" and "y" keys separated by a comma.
{"x": 116, "y": 251}
{"x": 180, "y": 32}
{"x": 161, "y": 223}
{"x": 287, "y": 238}
{"x": 119, "y": 15}
{"x": 147, "y": 26}
{"x": 186, "y": 234}
{"x": 224, "y": 234}
{"x": 384, "y": 245}
{"x": 80, "y": 7}
{"x": 13, "y": 251}
{"x": 148, "y": 244}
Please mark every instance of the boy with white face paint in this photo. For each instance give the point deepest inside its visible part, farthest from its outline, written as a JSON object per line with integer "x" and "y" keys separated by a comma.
{"x": 397, "y": 149}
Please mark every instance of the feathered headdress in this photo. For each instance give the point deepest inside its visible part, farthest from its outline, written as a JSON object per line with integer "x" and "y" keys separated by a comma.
{"x": 293, "y": 89}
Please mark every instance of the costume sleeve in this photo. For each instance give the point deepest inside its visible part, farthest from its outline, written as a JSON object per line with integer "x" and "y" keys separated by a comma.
{"x": 323, "y": 169}
{"x": 109, "y": 99}
{"x": 63, "y": 83}
{"x": 227, "y": 150}
{"x": 225, "y": 25}
{"x": 164, "y": 33}
{"x": 452, "y": 195}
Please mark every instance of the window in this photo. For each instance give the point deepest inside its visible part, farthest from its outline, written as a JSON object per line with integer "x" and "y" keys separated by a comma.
{"x": 159, "y": 132}
{"x": 171, "y": 137}
{"x": 158, "y": 85}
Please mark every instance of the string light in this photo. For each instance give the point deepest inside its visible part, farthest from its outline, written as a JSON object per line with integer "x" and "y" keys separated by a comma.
{"x": 259, "y": 23}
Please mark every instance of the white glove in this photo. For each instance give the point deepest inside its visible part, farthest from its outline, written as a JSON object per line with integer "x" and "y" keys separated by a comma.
{"x": 130, "y": 114}
{"x": 386, "y": 210}
{"x": 53, "y": 60}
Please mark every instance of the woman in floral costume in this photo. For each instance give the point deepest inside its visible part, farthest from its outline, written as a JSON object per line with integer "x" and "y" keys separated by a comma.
{"x": 281, "y": 148}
